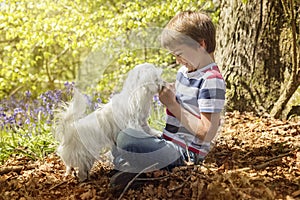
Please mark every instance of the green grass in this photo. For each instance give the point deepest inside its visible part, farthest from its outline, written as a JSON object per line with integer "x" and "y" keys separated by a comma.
{"x": 33, "y": 144}
{"x": 157, "y": 118}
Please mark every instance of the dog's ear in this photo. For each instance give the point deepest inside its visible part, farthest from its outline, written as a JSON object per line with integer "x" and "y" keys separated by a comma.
{"x": 142, "y": 74}
{"x": 132, "y": 79}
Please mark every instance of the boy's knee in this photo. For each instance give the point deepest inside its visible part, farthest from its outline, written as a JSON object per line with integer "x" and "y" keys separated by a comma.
{"x": 126, "y": 138}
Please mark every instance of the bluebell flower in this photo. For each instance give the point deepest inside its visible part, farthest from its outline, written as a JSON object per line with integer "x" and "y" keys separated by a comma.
{"x": 27, "y": 121}
{"x": 28, "y": 94}
{"x": 156, "y": 100}
{"x": 14, "y": 111}
{"x": 18, "y": 110}
{"x": 66, "y": 84}
{"x": 19, "y": 123}
{"x": 10, "y": 120}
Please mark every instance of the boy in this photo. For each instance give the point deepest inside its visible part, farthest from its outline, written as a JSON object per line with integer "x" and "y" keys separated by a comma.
{"x": 193, "y": 106}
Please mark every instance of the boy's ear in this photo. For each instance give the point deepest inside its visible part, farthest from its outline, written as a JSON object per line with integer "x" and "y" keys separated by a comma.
{"x": 203, "y": 44}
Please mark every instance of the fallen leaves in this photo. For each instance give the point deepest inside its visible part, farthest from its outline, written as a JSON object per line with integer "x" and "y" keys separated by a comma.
{"x": 255, "y": 157}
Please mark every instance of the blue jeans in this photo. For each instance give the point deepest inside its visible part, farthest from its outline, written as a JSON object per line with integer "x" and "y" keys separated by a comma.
{"x": 136, "y": 151}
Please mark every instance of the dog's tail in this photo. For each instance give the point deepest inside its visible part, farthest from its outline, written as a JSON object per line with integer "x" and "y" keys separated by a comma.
{"x": 69, "y": 113}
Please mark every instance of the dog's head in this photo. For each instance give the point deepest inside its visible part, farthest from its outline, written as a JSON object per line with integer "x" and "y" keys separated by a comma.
{"x": 145, "y": 75}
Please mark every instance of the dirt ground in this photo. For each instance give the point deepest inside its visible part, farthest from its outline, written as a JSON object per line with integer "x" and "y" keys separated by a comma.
{"x": 255, "y": 157}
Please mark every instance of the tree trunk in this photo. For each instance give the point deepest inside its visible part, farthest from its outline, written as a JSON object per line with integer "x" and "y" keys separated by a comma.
{"x": 254, "y": 50}
{"x": 294, "y": 80}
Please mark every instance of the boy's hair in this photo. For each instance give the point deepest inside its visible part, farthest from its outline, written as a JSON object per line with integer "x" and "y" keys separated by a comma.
{"x": 189, "y": 24}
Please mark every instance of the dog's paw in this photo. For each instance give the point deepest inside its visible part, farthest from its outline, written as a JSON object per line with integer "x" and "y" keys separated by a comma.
{"x": 68, "y": 171}
{"x": 83, "y": 176}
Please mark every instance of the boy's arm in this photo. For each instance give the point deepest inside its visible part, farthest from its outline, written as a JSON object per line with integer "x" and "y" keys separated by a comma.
{"x": 204, "y": 128}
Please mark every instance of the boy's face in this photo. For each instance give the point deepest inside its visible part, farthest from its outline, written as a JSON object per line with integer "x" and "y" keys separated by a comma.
{"x": 192, "y": 57}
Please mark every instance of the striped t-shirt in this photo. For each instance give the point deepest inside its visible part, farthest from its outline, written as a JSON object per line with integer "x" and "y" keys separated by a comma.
{"x": 200, "y": 91}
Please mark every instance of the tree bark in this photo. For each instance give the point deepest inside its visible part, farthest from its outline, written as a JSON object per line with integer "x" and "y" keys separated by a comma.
{"x": 294, "y": 80}
{"x": 254, "y": 60}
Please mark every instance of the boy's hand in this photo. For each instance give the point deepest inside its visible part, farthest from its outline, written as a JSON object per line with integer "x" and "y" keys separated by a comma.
{"x": 167, "y": 94}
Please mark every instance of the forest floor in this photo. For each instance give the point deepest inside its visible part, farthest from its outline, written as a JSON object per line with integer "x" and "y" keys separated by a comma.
{"x": 255, "y": 157}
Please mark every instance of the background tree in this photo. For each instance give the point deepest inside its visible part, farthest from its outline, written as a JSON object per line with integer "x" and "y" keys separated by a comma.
{"x": 259, "y": 50}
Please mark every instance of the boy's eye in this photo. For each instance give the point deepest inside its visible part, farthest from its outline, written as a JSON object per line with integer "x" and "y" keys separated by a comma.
{"x": 177, "y": 54}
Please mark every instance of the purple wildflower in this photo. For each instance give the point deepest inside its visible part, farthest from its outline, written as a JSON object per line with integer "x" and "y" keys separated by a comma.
{"x": 156, "y": 100}
{"x": 28, "y": 94}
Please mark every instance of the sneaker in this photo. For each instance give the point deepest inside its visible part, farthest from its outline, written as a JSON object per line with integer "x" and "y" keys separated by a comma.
{"x": 121, "y": 179}
{"x": 113, "y": 172}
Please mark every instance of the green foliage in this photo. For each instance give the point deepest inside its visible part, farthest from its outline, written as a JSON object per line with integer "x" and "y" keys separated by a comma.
{"x": 43, "y": 43}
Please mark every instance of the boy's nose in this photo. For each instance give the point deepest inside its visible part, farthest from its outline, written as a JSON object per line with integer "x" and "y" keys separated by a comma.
{"x": 178, "y": 60}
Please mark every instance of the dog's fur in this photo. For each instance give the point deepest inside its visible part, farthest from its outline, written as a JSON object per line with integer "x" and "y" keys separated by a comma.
{"x": 83, "y": 137}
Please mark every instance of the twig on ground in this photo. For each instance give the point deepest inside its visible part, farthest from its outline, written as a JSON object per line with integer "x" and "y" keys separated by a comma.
{"x": 153, "y": 179}
{"x": 273, "y": 159}
{"x": 134, "y": 178}
{"x": 181, "y": 185}
{"x": 177, "y": 188}
{"x": 17, "y": 169}
{"x": 59, "y": 184}
{"x": 239, "y": 170}
{"x": 284, "y": 126}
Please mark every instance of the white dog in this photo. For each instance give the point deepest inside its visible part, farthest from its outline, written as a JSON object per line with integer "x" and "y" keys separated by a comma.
{"x": 83, "y": 137}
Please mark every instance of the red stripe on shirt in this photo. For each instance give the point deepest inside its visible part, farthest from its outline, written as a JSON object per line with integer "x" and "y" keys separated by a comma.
{"x": 215, "y": 72}
{"x": 169, "y": 113}
{"x": 215, "y": 75}
{"x": 213, "y": 68}
{"x": 183, "y": 145}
